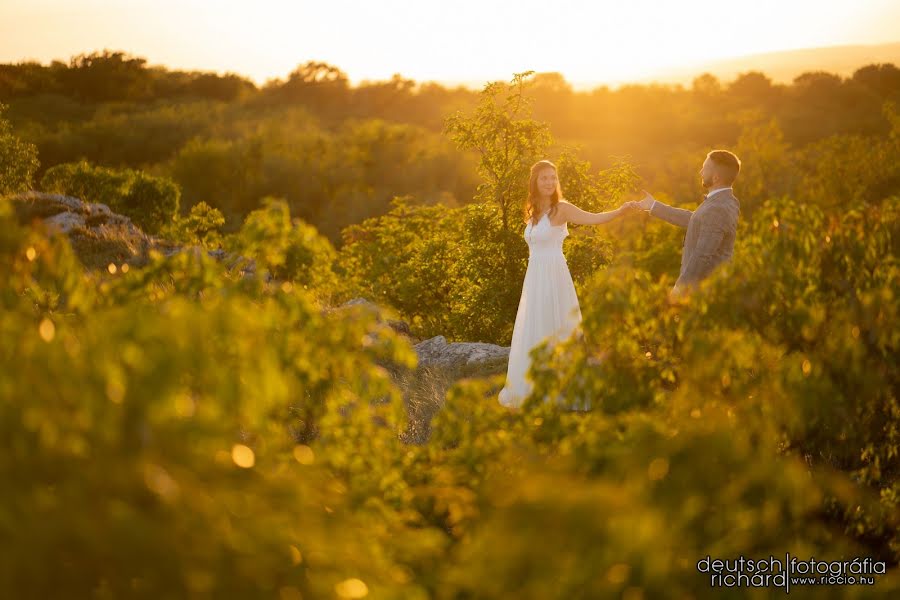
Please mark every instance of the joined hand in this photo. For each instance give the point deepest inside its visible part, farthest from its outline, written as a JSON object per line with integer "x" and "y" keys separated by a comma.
{"x": 629, "y": 207}
{"x": 647, "y": 201}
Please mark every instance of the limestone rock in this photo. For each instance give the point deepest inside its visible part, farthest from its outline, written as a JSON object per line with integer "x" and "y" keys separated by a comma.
{"x": 105, "y": 228}
{"x": 438, "y": 352}
{"x": 65, "y": 221}
{"x": 383, "y": 315}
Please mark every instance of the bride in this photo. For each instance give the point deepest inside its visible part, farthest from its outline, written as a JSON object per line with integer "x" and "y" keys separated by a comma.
{"x": 548, "y": 307}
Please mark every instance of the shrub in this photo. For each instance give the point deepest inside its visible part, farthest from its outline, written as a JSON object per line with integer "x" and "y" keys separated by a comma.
{"x": 288, "y": 248}
{"x": 151, "y": 202}
{"x": 18, "y": 160}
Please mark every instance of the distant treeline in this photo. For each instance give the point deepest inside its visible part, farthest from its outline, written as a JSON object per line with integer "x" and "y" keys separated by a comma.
{"x": 117, "y": 77}
{"x": 815, "y": 105}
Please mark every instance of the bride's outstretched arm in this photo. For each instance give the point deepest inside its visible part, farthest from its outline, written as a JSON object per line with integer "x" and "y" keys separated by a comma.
{"x": 575, "y": 215}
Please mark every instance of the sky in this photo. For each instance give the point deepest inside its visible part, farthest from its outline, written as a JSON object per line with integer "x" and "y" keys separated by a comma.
{"x": 465, "y": 41}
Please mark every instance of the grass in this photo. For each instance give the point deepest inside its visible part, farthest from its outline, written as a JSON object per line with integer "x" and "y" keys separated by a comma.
{"x": 425, "y": 389}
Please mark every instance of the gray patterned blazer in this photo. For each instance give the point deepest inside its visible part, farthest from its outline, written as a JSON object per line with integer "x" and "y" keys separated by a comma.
{"x": 711, "y": 231}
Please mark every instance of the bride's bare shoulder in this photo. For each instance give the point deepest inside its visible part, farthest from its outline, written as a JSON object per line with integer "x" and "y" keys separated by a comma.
{"x": 562, "y": 213}
{"x": 565, "y": 206}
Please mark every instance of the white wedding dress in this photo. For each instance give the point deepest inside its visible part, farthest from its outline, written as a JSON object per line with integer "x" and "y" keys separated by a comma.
{"x": 548, "y": 307}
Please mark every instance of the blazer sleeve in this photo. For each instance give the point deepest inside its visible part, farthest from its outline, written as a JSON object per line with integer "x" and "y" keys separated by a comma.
{"x": 713, "y": 227}
{"x": 676, "y": 216}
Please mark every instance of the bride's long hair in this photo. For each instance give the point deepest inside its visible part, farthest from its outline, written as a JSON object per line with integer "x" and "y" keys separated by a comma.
{"x": 532, "y": 205}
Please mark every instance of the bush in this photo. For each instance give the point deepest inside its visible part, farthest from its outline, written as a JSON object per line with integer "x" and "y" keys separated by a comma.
{"x": 151, "y": 202}
{"x": 203, "y": 226}
{"x": 18, "y": 160}
{"x": 793, "y": 337}
{"x": 288, "y": 248}
{"x": 161, "y": 437}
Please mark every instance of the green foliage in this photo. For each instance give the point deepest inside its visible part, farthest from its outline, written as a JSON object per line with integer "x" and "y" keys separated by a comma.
{"x": 589, "y": 249}
{"x": 507, "y": 141}
{"x": 87, "y": 182}
{"x": 166, "y": 404}
{"x": 405, "y": 260}
{"x": 369, "y": 162}
{"x": 106, "y": 76}
{"x": 626, "y": 506}
{"x": 116, "y": 76}
{"x": 18, "y": 159}
{"x": 793, "y": 341}
{"x": 118, "y": 135}
{"x": 766, "y": 169}
{"x": 202, "y": 226}
{"x": 316, "y": 84}
{"x": 330, "y": 178}
{"x": 151, "y": 202}
{"x": 224, "y": 173}
{"x": 152, "y": 387}
{"x": 849, "y": 169}
{"x": 287, "y": 247}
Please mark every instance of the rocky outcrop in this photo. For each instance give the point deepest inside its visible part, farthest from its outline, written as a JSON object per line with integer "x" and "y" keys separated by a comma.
{"x": 100, "y": 236}
{"x": 382, "y": 315}
{"x": 438, "y": 352}
{"x": 66, "y": 213}
{"x": 440, "y": 363}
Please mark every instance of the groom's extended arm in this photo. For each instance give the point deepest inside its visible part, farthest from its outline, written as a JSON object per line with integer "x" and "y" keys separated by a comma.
{"x": 670, "y": 214}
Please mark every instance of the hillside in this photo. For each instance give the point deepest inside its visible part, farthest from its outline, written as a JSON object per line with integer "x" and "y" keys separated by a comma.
{"x": 784, "y": 66}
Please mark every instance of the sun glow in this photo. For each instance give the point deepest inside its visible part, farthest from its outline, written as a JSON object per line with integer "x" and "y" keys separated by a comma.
{"x": 470, "y": 41}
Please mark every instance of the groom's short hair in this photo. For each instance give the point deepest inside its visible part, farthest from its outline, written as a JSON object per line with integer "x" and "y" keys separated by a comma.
{"x": 728, "y": 163}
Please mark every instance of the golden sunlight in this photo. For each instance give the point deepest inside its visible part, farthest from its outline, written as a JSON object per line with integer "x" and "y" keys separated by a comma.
{"x": 587, "y": 41}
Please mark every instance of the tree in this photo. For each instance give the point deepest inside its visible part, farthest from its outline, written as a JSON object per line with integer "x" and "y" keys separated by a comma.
{"x": 18, "y": 159}
{"x": 322, "y": 87}
{"x": 883, "y": 79}
{"x": 202, "y": 226}
{"x": 752, "y": 84}
{"x": 706, "y": 85}
{"x": 507, "y": 141}
{"x": 151, "y": 202}
{"x": 105, "y": 76}
{"x": 287, "y": 247}
{"x": 754, "y": 89}
{"x": 766, "y": 169}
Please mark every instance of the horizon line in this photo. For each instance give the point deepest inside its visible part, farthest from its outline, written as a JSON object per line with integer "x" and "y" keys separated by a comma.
{"x": 677, "y": 74}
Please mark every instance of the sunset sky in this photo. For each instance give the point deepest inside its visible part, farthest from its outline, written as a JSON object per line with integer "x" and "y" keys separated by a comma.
{"x": 462, "y": 41}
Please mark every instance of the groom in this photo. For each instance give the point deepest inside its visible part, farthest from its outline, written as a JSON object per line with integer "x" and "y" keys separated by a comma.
{"x": 709, "y": 240}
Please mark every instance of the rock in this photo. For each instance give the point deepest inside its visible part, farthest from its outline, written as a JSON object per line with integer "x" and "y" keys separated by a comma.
{"x": 103, "y": 226}
{"x": 383, "y": 315}
{"x": 438, "y": 352}
{"x": 38, "y": 205}
{"x": 361, "y": 301}
{"x": 101, "y": 209}
{"x": 65, "y": 221}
